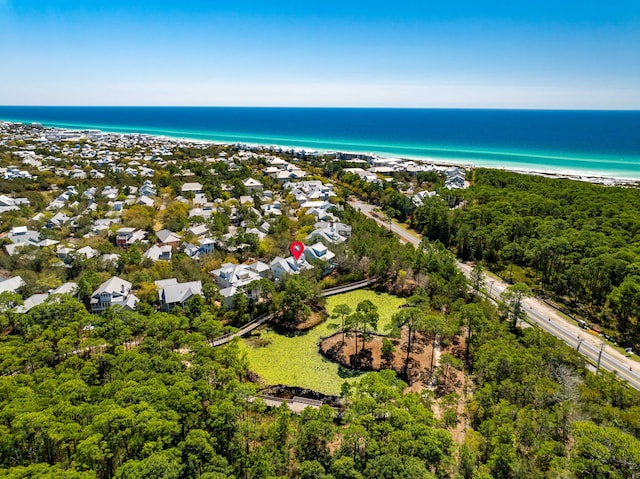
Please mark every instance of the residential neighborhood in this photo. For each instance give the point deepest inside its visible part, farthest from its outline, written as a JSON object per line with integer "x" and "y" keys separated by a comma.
{"x": 119, "y": 214}
{"x": 135, "y": 221}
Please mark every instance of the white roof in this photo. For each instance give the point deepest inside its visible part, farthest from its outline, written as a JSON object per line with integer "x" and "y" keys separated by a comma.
{"x": 191, "y": 187}
{"x": 11, "y": 284}
{"x": 161, "y": 283}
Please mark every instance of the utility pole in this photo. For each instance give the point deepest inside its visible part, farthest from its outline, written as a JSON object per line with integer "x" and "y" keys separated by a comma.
{"x": 491, "y": 287}
{"x": 599, "y": 357}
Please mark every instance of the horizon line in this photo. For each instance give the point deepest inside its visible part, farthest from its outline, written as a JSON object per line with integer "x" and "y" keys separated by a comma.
{"x": 334, "y": 107}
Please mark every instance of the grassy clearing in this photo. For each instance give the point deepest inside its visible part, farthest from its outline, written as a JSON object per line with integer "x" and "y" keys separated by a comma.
{"x": 295, "y": 360}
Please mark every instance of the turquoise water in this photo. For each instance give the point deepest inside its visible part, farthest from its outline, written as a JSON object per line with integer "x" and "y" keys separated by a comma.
{"x": 593, "y": 143}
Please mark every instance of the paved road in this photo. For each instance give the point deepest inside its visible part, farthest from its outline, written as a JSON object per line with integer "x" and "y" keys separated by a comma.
{"x": 540, "y": 314}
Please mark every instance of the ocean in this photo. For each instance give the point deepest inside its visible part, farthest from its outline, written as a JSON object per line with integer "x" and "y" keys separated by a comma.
{"x": 587, "y": 143}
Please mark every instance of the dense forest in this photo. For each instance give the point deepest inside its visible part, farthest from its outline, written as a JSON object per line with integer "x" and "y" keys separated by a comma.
{"x": 80, "y": 398}
{"x": 575, "y": 242}
{"x": 133, "y": 395}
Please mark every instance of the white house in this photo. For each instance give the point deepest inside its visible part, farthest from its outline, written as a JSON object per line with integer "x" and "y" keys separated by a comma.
{"x": 21, "y": 235}
{"x": 88, "y": 252}
{"x": 319, "y": 252}
{"x": 147, "y": 189}
{"x": 172, "y": 294}
{"x": 110, "y": 192}
{"x": 144, "y": 201}
{"x": 271, "y": 209}
{"x": 198, "y": 230}
{"x": 252, "y": 185}
{"x": 419, "y": 198}
{"x": 57, "y": 220}
{"x": 235, "y": 278}
{"x": 239, "y": 275}
{"x": 113, "y": 292}
{"x": 282, "y": 266}
{"x": 327, "y": 235}
{"x": 158, "y": 253}
{"x": 7, "y": 203}
{"x": 191, "y": 188}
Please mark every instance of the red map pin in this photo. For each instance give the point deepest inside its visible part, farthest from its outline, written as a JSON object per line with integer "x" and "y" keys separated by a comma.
{"x": 296, "y": 248}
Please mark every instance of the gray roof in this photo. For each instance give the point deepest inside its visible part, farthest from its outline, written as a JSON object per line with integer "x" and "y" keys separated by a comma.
{"x": 166, "y": 236}
{"x": 21, "y": 235}
{"x": 229, "y": 292}
{"x": 113, "y": 285}
{"x": 198, "y": 230}
{"x": 172, "y": 293}
{"x": 36, "y": 299}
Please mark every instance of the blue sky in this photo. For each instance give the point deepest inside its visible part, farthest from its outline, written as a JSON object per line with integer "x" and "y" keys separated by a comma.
{"x": 455, "y": 53}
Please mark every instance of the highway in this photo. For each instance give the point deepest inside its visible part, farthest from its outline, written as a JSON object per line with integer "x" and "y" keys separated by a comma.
{"x": 539, "y": 313}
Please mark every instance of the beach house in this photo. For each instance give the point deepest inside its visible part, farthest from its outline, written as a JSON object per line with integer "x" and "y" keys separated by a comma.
{"x": 113, "y": 292}
{"x": 172, "y": 294}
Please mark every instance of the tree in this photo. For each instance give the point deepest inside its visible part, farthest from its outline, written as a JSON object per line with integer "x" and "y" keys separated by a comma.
{"x": 174, "y": 216}
{"x": 312, "y": 470}
{"x": 412, "y": 318}
{"x": 87, "y": 283}
{"x": 344, "y": 468}
{"x": 365, "y": 316}
{"x": 624, "y": 301}
{"x": 8, "y": 301}
{"x": 447, "y": 361}
{"x": 602, "y": 451}
{"x": 512, "y": 299}
{"x": 477, "y": 277}
{"x": 315, "y": 432}
{"x": 394, "y": 466}
{"x": 197, "y": 452}
{"x": 165, "y": 464}
{"x": 342, "y": 310}
{"x": 388, "y": 349}
{"x": 353, "y": 323}
{"x": 435, "y": 326}
{"x": 266, "y": 290}
{"x": 370, "y": 318}
{"x": 471, "y": 316}
{"x": 139, "y": 217}
{"x": 291, "y": 302}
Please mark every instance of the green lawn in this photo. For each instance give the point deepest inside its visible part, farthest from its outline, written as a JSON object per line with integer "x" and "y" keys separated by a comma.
{"x": 295, "y": 361}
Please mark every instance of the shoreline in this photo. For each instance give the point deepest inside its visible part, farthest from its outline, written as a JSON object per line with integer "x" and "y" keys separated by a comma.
{"x": 575, "y": 175}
